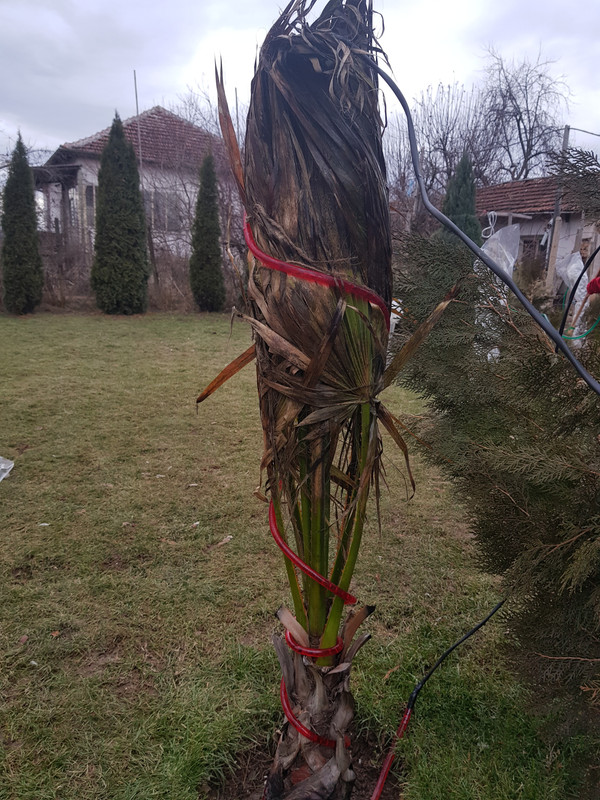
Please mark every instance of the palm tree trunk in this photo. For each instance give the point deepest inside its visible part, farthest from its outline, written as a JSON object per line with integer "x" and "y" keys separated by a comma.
{"x": 303, "y": 768}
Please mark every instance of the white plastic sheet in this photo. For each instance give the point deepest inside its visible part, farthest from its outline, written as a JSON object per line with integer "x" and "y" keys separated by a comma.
{"x": 569, "y": 269}
{"x": 503, "y": 247}
{"x": 5, "y": 467}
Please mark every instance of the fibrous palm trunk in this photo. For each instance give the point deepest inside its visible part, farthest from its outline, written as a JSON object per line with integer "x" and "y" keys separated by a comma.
{"x": 315, "y": 194}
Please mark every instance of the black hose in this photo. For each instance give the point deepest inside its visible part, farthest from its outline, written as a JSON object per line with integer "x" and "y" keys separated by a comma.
{"x": 413, "y": 698}
{"x": 389, "y": 759}
{"x": 546, "y": 326}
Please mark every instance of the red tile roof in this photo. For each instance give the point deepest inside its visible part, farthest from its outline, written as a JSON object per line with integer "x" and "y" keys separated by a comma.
{"x": 533, "y": 196}
{"x": 167, "y": 141}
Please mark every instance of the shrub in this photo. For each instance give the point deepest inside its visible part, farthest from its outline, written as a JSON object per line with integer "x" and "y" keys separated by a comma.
{"x": 206, "y": 270}
{"x": 120, "y": 267}
{"x": 459, "y": 203}
{"x": 518, "y": 431}
{"x": 22, "y": 271}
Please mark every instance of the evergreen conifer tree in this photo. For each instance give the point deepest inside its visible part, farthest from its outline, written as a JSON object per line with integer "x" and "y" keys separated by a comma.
{"x": 22, "y": 271}
{"x": 206, "y": 271}
{"x": 516, "y": 429}
{"x": 459, "y": 203}
{"x": 120, "y": 268}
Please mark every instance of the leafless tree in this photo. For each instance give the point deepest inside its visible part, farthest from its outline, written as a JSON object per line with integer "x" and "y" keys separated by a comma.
{"x": 451, "y": 121}
{"x": 509, "y": 125}
{"x": 448, "y": 121}
{"x": 526, "y": 104}
{"x": 198, "y": 107}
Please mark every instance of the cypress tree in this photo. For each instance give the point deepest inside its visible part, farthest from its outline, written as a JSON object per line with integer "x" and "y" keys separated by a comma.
{"x": 120, "y": 269}
{"x": 22, "y": 271}
{"x": 206, "y": 272}
{"x": 459, "y": 203}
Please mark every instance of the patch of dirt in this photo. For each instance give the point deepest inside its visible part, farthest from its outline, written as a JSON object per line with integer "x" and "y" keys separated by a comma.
{"x": 33, "y": 565}
{"x": 65, "y": 632}
{"x": 22, "y": 573}
{"x": 97, "y": 663}
{"x": 115, "y": 563}
{"x": 134, "y": 685}
{"x": 247, "y": 781}
{"x": 10, "y": 744}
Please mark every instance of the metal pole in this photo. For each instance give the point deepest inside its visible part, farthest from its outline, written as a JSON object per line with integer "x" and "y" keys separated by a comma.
{"x": 137, "y": 114}
{"x": 553, "y": 243}
{"x": 150, "y": 240}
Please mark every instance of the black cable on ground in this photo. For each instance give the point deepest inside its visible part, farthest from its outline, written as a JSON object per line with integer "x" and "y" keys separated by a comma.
{"x": 415, "y": 693}
{"x": 389, "y": 759}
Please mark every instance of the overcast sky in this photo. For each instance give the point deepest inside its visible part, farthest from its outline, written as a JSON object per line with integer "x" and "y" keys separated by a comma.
{"x": 66, "y": 65}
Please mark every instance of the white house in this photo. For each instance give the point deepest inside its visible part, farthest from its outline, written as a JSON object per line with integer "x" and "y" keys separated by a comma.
{"x": 533, "y": 204}
{"x": 170, "y": 151}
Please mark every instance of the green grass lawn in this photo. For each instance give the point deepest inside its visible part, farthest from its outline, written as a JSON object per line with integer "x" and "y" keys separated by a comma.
{"x": 139, "y": 583}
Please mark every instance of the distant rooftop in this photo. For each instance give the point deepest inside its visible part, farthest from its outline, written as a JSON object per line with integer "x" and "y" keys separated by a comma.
{"x": 533, "y": 196}
{"x": 166, "y": 139}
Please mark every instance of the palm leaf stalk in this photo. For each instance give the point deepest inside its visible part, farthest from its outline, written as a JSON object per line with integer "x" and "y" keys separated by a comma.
{"x": 314, "y": 188}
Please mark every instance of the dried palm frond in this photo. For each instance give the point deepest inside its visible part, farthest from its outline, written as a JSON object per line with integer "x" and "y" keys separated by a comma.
{"x": 315, "y": 175}
{"x": 316, "y": 196}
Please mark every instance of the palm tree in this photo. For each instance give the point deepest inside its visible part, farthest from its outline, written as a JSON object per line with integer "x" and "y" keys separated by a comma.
{"x": 314, "y": 188}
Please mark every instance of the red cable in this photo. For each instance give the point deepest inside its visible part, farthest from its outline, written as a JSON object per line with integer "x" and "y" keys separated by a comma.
{"x": 314, "y": 652}
{"x": 312, "y": 276}
{"x": 323, "y": 279}
{"x": 295, "y": 559}
{"x": 389, "y": 759}
{"x": 311, "y": 652}
{"x": 593, "y": 286}
{"x": 314, "y": 737}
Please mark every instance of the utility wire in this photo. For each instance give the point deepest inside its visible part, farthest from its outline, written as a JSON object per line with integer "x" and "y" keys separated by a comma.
{"x": 590, "y": 133}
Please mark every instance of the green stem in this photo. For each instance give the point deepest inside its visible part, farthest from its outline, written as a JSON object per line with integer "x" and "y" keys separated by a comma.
{"x": 291, "y": 572}
{"x": 330, "y": 633}
{"x": 305, "y": 509}
{"x": 317, "y": 595}
{"x": 348, "y": 522}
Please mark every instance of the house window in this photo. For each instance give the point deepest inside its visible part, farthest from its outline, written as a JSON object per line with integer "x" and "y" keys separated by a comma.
{"x": 174, "y": 221}
{"x": 585, "y": 249}
{"x": 531, "y": 248}
{"x": 73, "y": 207}
{"x": 147, "y": 197}
{"x": 40, "y": 210}
{"x": 167, "y": 215}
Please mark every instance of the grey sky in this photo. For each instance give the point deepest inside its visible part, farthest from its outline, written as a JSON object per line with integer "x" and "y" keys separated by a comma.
{"x": 68, "y": 64}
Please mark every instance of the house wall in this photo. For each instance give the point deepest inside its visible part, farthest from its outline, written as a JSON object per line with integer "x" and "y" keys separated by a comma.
{"x": 574, "y": 234}
{"x": 170, "y": 204}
